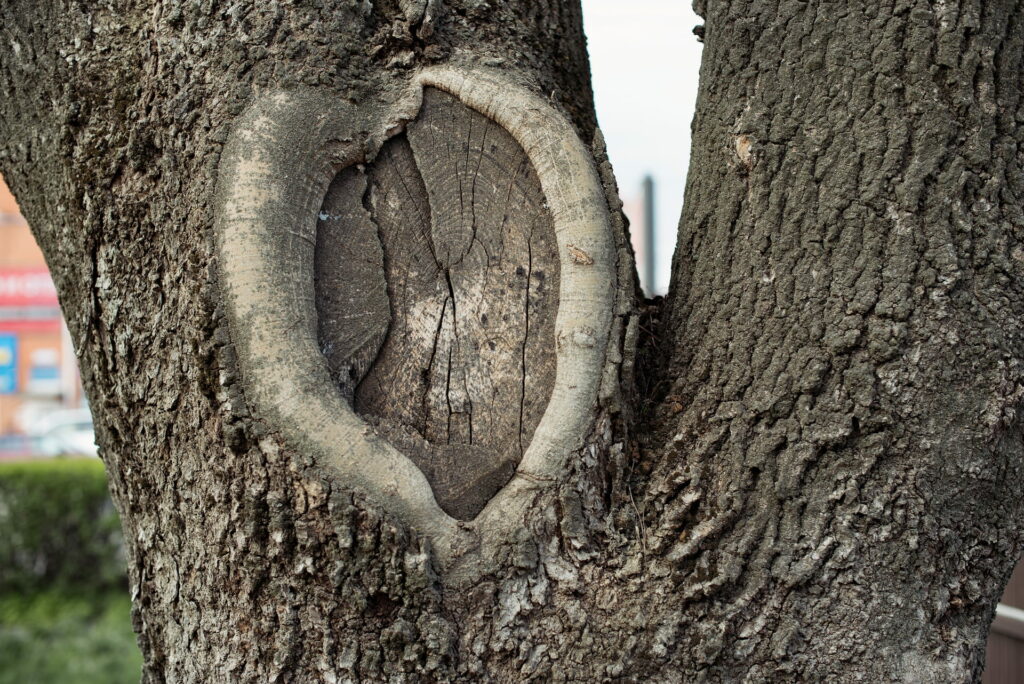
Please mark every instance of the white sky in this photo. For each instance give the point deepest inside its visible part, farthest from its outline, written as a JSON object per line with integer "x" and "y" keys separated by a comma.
{"x": 644, "y": 59}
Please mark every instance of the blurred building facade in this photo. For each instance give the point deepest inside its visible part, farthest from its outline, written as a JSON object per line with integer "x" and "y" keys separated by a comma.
{"x": 38, "y": 373}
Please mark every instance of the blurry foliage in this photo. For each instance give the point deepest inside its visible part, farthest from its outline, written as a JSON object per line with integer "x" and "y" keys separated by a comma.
{"x": 57, "y": 637}
{"x": 58, "y": 527}
{"x": 64, "y": 606}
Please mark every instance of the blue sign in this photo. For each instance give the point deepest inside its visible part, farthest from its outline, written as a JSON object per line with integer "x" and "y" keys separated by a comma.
{"x": 8, "y": 363}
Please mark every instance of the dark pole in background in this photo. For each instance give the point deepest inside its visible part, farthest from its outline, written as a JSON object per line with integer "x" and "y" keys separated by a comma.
{"x": 647, "y": 278}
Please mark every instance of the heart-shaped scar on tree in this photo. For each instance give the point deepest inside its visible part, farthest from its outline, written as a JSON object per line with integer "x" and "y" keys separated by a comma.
{"x": 423, "y": 312}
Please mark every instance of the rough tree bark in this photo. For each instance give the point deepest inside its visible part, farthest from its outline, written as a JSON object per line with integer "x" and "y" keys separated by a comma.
{"x": 805, "y": 469}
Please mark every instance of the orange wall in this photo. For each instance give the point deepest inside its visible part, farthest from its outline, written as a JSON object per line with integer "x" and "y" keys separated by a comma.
{"x": 7, "y": 203}
{"x": 17, "y": 246}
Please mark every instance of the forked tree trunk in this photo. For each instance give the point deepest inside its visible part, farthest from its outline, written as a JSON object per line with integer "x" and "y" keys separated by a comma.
{"x": 359, "y": 327}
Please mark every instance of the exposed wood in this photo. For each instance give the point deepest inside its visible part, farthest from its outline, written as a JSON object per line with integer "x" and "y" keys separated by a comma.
{"x": 472, "y": 270}
{"x": 352, "y": 306}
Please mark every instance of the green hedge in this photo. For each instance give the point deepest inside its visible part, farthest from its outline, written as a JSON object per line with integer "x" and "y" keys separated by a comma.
{"x": 58, "y": 527}
{"x": 55, "y": 637}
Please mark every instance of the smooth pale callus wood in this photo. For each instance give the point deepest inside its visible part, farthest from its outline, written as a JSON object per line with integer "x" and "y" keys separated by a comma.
{"x": 471, "y": 269}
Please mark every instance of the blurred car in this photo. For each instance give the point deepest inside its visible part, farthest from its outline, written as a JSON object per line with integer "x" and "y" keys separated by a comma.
{"x": 68, "y": 432}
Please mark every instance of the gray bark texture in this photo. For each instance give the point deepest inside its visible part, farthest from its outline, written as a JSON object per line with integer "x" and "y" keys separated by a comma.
{"x": 807, "y": 467}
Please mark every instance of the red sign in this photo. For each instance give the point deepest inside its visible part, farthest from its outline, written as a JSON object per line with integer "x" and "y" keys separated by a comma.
{"x": 22, "y": 325}
{"x": 27, "y": 287}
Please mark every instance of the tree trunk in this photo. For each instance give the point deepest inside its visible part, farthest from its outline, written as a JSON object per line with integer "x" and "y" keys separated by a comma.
{"x": 287, "y": 235}
{"x": 845, "y": 340}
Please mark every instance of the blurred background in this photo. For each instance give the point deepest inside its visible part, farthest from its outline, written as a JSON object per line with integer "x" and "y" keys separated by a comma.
{"x": 645, "y": 61}
{"x": 64, "y": 606}
{"x": 42, "y": 408}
